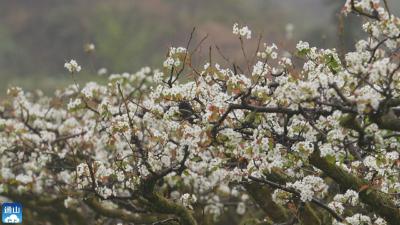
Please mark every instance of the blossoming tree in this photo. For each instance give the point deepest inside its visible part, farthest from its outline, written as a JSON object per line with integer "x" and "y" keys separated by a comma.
{"x": 266, "y": 144}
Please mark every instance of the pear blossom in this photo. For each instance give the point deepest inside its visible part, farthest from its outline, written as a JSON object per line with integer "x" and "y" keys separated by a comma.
{"x": 242, "y": 32}
{"x": 72, "y": 66}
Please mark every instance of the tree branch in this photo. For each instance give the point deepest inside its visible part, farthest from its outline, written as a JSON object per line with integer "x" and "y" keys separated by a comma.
{"x": 380, "y": 202}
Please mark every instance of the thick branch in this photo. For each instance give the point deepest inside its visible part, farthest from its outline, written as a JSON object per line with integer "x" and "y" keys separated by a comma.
{"x": 296, "y": 193}
{"x": 387, "y": 121}
{"x": 160, "y": 204}
{"x": 262, "y": 196}
{"x": 96, "y": 206}
{"x": 380, "y": 202}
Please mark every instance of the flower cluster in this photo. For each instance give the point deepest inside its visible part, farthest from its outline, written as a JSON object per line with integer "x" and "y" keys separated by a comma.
{"x": 187, "y": 200}
{"x": 242, "y": 32}
{"x": 72, "y": 66}
{"x": 308, "y": 187}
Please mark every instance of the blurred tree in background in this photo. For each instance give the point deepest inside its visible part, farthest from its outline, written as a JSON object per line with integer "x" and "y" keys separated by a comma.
{"x": 37, "y": 37}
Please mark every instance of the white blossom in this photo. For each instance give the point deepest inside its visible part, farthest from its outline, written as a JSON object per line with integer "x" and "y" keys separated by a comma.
{"x": 72, "y": 66}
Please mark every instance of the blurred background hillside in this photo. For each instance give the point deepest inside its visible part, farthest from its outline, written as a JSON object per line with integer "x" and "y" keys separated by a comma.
{"x": 38, "y": 36}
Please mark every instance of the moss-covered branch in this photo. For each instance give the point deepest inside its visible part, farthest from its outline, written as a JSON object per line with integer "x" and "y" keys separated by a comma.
{"x": 261, "y": 195}
{"x": 388, "y": 121}
{"x": 96, "y": 206}
{"x": 380, "y": 202}
{"x": 51, "y": 208}
{"x": 162, "y": 205}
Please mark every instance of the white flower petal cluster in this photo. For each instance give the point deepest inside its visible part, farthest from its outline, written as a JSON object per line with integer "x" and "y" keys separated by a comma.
{"x": 308, "y": 187}
{"x": 72, "y": 66}
{"x": 242, "y": 32}
{"x": 188, "y": 199}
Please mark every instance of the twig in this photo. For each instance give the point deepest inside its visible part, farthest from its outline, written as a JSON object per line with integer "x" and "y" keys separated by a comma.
{"x": 387, "y": 7}
{"x": 184, "y": 59}
{"x": 199, "y": 44}
{"x": 244, "y": 54}
{"x": 362, "y": 13}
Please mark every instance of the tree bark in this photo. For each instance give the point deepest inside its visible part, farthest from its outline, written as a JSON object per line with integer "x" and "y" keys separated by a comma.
{"x": 379, "y": 202}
